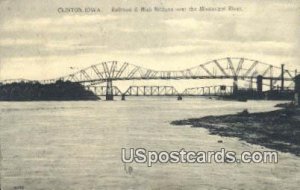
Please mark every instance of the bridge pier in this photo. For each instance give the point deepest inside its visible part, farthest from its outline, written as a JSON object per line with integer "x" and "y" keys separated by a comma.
{"x": 297, "y": 90}
{"x": 109, "y": 90}
{"x": 251, "y": 83}
{"x": 123, "y": 97}
{"x": 95, "y": 89}
{"x": 271, "y": 84}
{"x": 235, "y": 85}
{"x": 282, "y": 77}
{"x": 259, "y": 84}
{"x": 179, "y": 97}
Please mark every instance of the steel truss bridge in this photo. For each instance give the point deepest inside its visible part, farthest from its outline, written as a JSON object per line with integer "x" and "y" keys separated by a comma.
{"x": 137, "y": 91}
{"x": 151, "y": 91}
{"x": 234, "y": 68}
{"x": 164, "y": 91}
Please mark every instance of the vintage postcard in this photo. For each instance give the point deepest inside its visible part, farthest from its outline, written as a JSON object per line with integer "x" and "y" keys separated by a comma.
{"x": 149, "y": 94}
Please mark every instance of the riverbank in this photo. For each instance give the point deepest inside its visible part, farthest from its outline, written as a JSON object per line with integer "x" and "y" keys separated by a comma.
{"x": 279, "y": 129}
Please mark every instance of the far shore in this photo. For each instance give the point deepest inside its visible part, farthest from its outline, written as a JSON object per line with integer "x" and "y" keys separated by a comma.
{"x": 279, "y": 129}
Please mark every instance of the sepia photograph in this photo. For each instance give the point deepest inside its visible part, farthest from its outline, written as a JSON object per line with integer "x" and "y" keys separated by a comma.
{"x": 149, "y": 94}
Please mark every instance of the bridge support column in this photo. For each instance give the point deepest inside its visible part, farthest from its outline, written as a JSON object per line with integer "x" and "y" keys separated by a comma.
{"x": 109, "y": 90}
{"x": 123, "y": 97}
{"x": 95, "y": 90}
{"x": 251, "y": 83}
{"x": 235, "y": 85}
{"x": 259, "y": 83}
{"x": 179, "y": 97}
{"x": 271, "y": 84}
{"x": 282, "y": 77}
{"x": 297, "y": 90}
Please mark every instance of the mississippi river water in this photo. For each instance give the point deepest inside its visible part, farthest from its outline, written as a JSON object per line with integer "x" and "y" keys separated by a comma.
{"x": 77, "y": 145}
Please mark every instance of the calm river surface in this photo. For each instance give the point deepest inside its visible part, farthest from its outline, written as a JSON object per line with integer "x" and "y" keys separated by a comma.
{"x": 77, "y": 145}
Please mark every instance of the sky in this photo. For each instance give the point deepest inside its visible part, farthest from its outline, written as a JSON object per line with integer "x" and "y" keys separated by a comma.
{"x": 39, "y": 42}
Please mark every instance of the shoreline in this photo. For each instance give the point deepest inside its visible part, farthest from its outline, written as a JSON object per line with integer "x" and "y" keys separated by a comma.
{"x": 279, "y": 129}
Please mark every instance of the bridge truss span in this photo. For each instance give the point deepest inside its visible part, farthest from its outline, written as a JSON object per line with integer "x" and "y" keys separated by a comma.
{"x": 151, "y": 91}
{"x": 240, "y": 68}
{"x": 102, "y": 90}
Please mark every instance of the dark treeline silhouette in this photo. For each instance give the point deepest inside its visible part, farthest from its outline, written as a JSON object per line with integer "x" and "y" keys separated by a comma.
{"x": 34, "y": 91}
